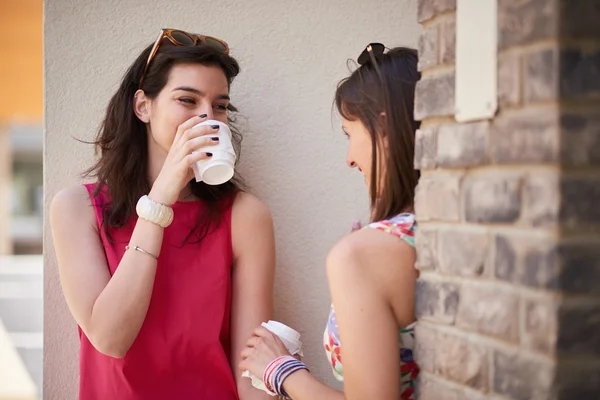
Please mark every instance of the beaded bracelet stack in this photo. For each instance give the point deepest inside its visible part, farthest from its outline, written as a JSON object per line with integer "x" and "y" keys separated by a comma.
{"x": 278, "y": 370}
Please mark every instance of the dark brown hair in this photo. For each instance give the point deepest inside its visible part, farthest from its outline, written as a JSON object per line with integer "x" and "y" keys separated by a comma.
{"x": 381, "y": 96}
{"x": 122, "y": 140}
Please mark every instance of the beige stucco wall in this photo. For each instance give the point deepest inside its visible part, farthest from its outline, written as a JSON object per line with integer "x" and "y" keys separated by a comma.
{"x": 292, "y": 54}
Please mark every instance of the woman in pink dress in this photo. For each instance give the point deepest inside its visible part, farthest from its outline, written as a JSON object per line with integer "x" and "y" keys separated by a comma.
{"x": 368, "y": 337}
{"x": 166, "y": 277}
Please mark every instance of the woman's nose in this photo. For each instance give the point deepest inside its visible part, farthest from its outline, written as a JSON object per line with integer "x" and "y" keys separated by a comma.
{"x": 206, "y": 110}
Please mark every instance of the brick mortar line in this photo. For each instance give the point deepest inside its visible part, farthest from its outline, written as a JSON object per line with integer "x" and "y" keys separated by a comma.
{"x": 555, "y": 228}
{"x": 438, "y": 71}
{"x": 533, "y": 106}
{"x": 594, "y": 361}
{"x": 446, "y": 117}
{"x": 515, "y": 288}
{"x": 488, "y": 341}
{"x": 516, "y": 169}
{"x": 520, "y": 169}
{"x": 582, "y": 99}
{"x": 580, "y": 106}
{"x": 426, "y": 23}
{"x": 535, "y": 232}
{"x": 449, "y": 65}
{"x": 492, "y": 371}
{"x": 556, "y": 232}
{"x": 489, "y": 145}
{"x": 525, "y": 48}
{"x": 460, "y": 387}
{"x": 523, "y": 291}
{"x": 568, "y": 170}
{"x": 577, "y": 300}
{"x": 522, "y": 321}
{"x": 434, "y": 122}
{"x": 572, "y": 237}
{"x": 585, "y": 44}
{"x": 585, "y": 171}
{"x": 581, "y": 235}
{"x": 587, "y": 359}
{"x": 498, "y": 344}
{"x": 504, "y": 112}
{"x": 536, "y": 103}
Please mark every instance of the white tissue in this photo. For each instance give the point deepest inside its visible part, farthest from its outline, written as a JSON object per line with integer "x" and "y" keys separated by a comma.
{"x": 291, "y": 340}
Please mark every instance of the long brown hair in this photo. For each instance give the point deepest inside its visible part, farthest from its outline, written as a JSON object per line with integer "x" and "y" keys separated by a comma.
{"x": 381, "y": 95}
{"x": 122, "y": 141}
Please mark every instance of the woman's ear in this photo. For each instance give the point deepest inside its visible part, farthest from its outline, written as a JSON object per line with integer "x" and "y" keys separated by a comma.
{"x": 141, "y": 106}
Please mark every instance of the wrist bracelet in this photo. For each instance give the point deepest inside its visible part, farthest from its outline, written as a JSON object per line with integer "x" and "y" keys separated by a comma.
{"x": 137, "y": 248}
{"x": 154, "y": 212}
{"x": 278, "y": 370}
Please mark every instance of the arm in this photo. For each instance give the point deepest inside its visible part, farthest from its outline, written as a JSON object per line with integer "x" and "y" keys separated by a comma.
{"x": 252, "y": 279}
{"x": 110, "y": 311}
{"x": 264, "y": 347}
{"x": 371, "y": 278}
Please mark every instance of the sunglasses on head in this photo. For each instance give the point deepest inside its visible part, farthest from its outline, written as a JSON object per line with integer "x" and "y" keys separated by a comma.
{"x": 372, "y": 51}
{"x": 181, "y": 38}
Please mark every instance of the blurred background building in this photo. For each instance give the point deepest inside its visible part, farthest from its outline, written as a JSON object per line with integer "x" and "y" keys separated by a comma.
{"x": 21, "y": 142}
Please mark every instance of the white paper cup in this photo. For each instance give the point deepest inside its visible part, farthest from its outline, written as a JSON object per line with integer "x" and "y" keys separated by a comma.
{"x": 289, "y": 336}
{"x": 291, "y": 340}
{"x": 219, "y": 168}
{"x": 283, "y": 330}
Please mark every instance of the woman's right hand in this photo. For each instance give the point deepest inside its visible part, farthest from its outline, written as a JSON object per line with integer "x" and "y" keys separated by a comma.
{"x": 176, "y": 171}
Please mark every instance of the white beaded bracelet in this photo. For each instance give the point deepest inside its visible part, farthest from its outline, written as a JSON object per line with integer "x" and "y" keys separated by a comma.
{"x": 154, "y": 212}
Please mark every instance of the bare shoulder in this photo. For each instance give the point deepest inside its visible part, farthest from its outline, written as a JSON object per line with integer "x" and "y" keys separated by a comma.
{"x": 71, "y": 204}
{"x": 370, "y": 244}
{"x": 251, "y": 226}
{"x": 248, "y": 207}
{"x": 373, "y": 255}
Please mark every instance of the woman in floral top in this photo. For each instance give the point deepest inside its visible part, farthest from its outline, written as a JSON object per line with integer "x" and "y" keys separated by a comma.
{"x": 369, "y": 334}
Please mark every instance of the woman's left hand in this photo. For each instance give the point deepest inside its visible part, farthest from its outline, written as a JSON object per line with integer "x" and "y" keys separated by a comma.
{"x": 261, "y": 349}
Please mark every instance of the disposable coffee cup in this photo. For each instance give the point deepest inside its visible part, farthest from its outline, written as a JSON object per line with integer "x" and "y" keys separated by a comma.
{"x": 291, "y": 340}
{"x": 219, "y": 168}
{"x": 289, "y": 336}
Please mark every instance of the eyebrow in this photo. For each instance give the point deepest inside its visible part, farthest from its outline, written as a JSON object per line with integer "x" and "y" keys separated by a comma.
{"x": 200, "y": 93}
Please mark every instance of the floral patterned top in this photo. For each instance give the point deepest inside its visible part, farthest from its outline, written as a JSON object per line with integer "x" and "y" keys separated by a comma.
{"x": 402, "y": 226}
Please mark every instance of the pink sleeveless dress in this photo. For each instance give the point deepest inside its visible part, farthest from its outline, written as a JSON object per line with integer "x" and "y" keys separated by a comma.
{"x": 182, "y": 349}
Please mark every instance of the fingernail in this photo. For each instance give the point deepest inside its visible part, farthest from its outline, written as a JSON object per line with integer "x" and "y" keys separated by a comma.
{"x": 356, "y": 224}
{"x": 215, "y": 139}
{"x": 215, "y": 126}
{"x": 203, "y": 116}
{"x": 209, "y": 154}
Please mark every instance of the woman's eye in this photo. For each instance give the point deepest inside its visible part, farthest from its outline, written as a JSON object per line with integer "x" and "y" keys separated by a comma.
{"x": 221, "y": 107}
{"x": 187, "y": 101}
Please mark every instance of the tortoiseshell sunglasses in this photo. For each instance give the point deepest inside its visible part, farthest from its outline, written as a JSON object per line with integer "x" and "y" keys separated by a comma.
{"x": 181, "y": 38}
